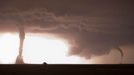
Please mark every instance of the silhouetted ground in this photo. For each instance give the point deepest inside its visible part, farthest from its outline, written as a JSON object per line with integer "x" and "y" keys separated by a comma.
{"x": 68, "y": 69}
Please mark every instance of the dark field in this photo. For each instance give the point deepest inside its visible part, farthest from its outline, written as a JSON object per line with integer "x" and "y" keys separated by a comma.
{"x": 68, "y": 69}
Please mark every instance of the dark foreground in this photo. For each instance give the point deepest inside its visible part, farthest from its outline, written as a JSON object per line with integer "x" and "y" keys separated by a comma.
{"x": 69, "y": 69}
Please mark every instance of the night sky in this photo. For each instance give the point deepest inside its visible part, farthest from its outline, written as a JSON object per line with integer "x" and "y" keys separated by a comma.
{"x": 93, "y": 27}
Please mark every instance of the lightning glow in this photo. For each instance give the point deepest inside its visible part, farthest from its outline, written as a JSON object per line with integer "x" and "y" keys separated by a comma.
{"x": 37, "y": 49}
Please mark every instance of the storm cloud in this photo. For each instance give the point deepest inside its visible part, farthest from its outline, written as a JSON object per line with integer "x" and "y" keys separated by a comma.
{"x": 92, "y": 27}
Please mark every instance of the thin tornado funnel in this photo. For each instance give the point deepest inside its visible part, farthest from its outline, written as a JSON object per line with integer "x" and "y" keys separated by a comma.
{"x": 19, "y": 59}
{"x": 122, "y": 54}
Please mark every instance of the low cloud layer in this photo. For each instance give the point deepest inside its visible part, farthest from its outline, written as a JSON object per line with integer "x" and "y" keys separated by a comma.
{"x": 90, "y": 34}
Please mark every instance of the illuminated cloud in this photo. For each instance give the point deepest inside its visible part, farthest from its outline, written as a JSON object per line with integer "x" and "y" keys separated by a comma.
{"x": 92, "y": 28}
